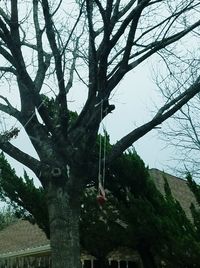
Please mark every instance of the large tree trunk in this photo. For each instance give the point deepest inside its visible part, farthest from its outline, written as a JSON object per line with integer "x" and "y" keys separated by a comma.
{"x": 64, "y": 228}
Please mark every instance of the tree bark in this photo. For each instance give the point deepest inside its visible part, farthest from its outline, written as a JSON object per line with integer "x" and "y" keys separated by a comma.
{"x": 64, "y": 227}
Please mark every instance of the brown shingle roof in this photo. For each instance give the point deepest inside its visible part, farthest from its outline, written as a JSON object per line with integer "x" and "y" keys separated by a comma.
{"x": 25, "y": 239}
{"x": 21, "y": 235}
{"x": 179, "y": 189}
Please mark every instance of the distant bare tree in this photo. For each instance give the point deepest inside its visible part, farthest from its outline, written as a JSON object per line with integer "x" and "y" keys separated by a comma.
{"x": 45, "y": 47}
{"x": 182, "y": 131}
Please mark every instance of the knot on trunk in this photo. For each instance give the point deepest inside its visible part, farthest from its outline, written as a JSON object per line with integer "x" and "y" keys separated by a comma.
{"x": 56, "y": 172}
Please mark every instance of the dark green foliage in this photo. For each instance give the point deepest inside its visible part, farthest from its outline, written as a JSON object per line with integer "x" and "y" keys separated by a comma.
{"x": 100, "y": 230}
{"x": 154, "y": 225}
{"x": 161, "y": 229}
{"x": 21, "y": 193}
{"x": 195, "y": 188}
{"x": 135, "y": 214}
{"x": 52, "y": 107}
{"x": 127, "y": 175}
{"x": 180, "y": 236}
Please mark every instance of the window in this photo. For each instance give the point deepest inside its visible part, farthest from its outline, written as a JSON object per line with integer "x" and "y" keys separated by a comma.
{"x": 132, "y": 264}
{"x": 123, "y": 264}
{"x": 114, "y": 264}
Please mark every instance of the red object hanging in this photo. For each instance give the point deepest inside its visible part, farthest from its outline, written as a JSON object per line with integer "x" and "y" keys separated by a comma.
{"x": 101, "y": 199}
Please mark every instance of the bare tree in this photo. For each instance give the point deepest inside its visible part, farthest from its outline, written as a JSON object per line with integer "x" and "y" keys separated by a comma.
{"x": 49, "y": 45}
{"x": 182, "y": 132}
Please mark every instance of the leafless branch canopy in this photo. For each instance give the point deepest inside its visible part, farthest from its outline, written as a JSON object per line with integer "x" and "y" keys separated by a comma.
{"x": 47, "y": 44}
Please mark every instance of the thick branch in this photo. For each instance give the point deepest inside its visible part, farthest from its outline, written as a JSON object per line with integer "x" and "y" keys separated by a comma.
{"x": 7, "y": 55}
{"x": 5, "y": 16}
{"x": 42, "y": 66}
{"x": 126, "y": 8}
{"x": 92, "y": 51}
{"x": 58, "y": 66}
{"x": 118, "y": 73}
{"x": 26, "y": 86}
{"x": 9, "y": 109}
{"x": 130, "y": 39}
{"x": 141, "y": 5}
{"x": 40, "y": 76}
{"x": 14, "y": 24}
{"x": 137, "y": 133}
{"x": 101, "y": 10}
{"x": 12, "y": 37}
{"x": 52, "y": 41}
{"x": 8, "y": 70}
{"x": 72, "y": 68}
{"x": 118, "y": 15}
{"x": 20, "y": 156}
{"x": 109, "y": 8}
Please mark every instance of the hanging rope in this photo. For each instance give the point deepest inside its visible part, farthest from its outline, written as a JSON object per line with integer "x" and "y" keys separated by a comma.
{"x": 100, "y": 144}
{"x": 101, "y": 197}
{"x": 104, "y": 152}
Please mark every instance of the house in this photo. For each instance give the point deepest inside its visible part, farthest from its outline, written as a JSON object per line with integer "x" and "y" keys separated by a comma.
{"x": 179, "y": 188}
{"x": 24, "y": 245}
